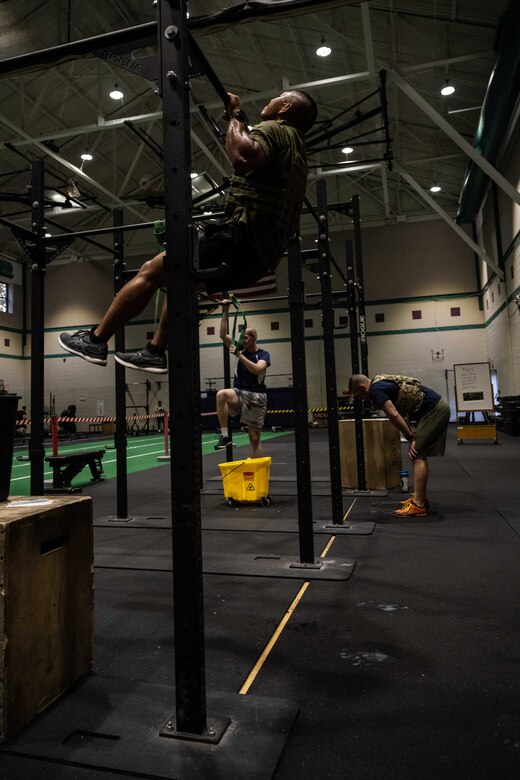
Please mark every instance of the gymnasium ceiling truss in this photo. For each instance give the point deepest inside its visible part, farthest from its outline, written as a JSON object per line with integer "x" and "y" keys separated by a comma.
{"x": 256, "y": 49}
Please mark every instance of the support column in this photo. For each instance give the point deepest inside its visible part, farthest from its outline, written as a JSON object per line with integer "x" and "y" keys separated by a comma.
{"x": 38, "y": 262}
{"x": 184, "y": 383}
{"x": 301, "y": 428}
{"x": 354, "y": 352}
{"x": 330, "y": 358}
{"x": 360, "y": 285}
{"x": 120, "y": 434}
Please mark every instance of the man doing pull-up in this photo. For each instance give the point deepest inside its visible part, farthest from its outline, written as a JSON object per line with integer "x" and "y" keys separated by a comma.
{"x": 262, "y": 206}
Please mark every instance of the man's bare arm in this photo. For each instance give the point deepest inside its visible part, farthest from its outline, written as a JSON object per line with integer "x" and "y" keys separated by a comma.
{"x": 245, "y": 154}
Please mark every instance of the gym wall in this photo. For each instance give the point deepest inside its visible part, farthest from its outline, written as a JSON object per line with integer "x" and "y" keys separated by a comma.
{"x": 501, "y": 313}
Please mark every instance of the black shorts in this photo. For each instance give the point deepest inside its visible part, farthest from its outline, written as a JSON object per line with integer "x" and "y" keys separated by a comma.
{"x": 226, "y": 243}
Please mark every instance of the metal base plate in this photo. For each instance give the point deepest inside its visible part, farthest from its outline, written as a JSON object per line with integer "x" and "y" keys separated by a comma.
{"x": 361, "y": 493}
{"x": 354, "y": 529}
{"x": 276, "y": 566}
{"x": 63, "y": 491}
{"x": 115, "y": 725}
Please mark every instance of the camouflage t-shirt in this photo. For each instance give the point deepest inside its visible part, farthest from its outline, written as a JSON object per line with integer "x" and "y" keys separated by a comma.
{"x": 267, "y": 202}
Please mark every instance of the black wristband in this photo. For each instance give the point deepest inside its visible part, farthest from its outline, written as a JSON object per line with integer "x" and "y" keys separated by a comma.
{"x": 239, "y": 115}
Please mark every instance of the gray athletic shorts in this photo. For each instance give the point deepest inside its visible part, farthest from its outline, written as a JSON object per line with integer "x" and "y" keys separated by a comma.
{"x": 251, "y": 407}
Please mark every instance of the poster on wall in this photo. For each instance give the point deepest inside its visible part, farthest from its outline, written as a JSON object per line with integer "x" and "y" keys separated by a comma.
{"x": 473, "y": 389}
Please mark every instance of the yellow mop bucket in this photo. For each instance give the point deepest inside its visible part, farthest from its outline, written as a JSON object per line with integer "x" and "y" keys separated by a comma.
{"x": 246, "y": 480}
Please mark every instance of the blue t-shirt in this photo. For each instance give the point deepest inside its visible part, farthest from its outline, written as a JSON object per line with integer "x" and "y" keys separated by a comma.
{"x": 382, "y": 391}
{"x": 245, "y": 379}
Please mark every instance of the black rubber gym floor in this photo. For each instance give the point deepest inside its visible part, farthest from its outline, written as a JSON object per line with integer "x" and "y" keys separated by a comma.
{"x": 409, "y": 669}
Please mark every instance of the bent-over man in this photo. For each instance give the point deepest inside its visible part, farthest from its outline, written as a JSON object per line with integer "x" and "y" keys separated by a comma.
{"x": 401, "y": 397}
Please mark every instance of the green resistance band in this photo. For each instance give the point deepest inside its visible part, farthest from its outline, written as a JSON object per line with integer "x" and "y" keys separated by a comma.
{"x": 159, "y": 231}
{"x": 238, "y": 342}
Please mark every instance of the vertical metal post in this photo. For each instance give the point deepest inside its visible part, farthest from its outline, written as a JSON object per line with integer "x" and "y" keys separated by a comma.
{"x": 330, "y": 358}
{"x": 360, "y": 286}
{"x": 354, "y": 351}
{"x": 184, "y": 380}
{"x": 38, "y": 261}
{"x": 226, "y": 358}
{"x": 301, "y": 427}
{"x": 120, "y": 434}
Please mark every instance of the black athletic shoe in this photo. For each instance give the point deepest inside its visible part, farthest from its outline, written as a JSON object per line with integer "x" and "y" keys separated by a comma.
{"x": 143, "y": 360}
{"x": 222, "y": 443}
{"x": 81, "y": 344}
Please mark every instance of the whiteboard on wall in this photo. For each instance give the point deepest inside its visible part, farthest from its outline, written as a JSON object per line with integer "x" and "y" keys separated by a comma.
{"x": 473, "y": 389}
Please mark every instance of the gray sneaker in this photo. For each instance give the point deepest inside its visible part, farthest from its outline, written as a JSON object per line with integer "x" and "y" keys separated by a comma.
{"x": 81, "y": 344}
{"x": 143, "y": 360}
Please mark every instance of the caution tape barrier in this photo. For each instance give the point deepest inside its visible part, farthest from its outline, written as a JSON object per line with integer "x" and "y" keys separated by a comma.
{"x": 27, "y": 421}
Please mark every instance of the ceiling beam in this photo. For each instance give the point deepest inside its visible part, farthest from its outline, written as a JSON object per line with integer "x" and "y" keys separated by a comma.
{"x": 66, "y": 164}
{"x": 466, "y": 147}
{"x": 458, "y": 230}
{"x": 447, "y": 61}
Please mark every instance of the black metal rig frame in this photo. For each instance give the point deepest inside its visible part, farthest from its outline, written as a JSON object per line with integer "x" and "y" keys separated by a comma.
{"x": 141, "y": 747}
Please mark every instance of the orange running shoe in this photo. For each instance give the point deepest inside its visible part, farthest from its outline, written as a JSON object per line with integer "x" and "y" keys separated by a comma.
{"x": 410, "y": 510}
{"x": 410, "y": 499}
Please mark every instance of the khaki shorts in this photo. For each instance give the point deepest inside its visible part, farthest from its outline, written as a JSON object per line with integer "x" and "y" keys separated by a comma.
{"x": 251, "y": 407}
{"x": 430, "y": 434}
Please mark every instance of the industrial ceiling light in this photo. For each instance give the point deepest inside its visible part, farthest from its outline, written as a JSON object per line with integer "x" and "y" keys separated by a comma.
{"x": 347, "y": 150}
{"x": 448, "y": 89}
{"x": 435, "y": 187}
{"x": 116, "y": 93}
{"x": 323, "y": 50}
{"x": 87, "y": 156}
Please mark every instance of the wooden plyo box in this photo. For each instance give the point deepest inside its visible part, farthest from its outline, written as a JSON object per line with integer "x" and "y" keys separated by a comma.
{"x": 46, "y": 603}
{"x": 382, "y": 445}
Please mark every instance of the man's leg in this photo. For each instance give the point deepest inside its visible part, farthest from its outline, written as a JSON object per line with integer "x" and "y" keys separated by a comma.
{"x": 133, "y": 297}
{"x": 152, "y": 357}
{"x": 129, "y": 302}
{"x": 226, "y": 399}
{"x": 160, "y": 337}
{"x": 254, "y": 438}
{"x": 420, "y": 480}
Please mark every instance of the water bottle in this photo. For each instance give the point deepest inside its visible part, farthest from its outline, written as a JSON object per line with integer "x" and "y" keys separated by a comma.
{"x": 403, "y": 476}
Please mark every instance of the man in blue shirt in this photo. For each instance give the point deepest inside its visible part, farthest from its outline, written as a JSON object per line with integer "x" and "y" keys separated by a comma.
{"x": 401, "y": 397}
{"x": 247, "y": 397}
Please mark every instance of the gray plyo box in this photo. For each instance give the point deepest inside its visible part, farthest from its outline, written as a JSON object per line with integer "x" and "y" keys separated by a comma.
{"x": 114, "y": 725}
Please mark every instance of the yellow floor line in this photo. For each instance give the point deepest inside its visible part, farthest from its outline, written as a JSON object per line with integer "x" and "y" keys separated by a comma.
{"x": 349, "y": 511}
{"x": 283, "y": 622}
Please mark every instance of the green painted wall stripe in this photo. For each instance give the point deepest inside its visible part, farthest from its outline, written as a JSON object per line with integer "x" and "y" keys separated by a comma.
{"x": 5, "y": 329}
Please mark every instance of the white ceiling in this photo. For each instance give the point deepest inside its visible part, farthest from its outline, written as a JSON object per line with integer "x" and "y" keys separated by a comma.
{"x": 426, "y": 41}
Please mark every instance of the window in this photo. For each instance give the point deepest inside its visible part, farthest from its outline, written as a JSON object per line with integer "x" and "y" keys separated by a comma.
{"x": 343, "y": 320}
{"x": 380, "y": 317}
{"x": 4, "y": 298}
{"x": 7, "y": 342}
{"x": 308, "y": 323}
{"x": 455, "y": 311}
{"x": 492, "y": 297}
{"x": 210, "y": 331}
{"x": 487, "y": 303}
{"x": 275, "y": 326}
{"x": 416, "y": 314}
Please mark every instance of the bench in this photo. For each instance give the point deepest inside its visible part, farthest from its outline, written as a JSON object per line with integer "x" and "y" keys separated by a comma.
{"x": 66, "y": 467}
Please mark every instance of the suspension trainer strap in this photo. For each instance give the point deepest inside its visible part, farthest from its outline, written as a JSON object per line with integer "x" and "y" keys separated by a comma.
{"x": 238, "y": 342}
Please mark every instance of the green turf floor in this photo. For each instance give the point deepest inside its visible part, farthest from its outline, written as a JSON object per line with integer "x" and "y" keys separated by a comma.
{"x": 142, "y": 453}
